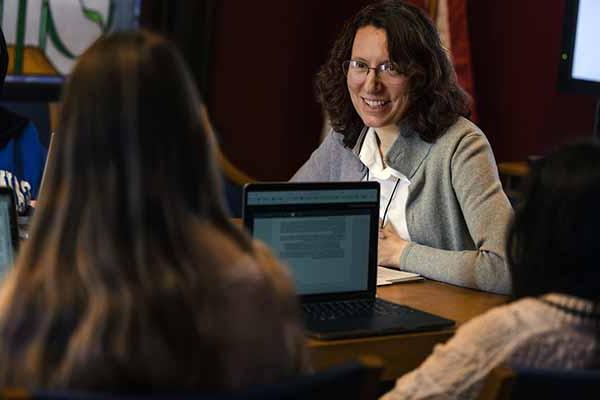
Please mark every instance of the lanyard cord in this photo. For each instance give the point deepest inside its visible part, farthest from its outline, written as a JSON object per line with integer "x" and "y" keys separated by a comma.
{"x": 389, "y": 201}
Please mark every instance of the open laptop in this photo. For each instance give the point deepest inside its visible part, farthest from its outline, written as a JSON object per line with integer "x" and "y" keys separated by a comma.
{"x": 9, "y": 235}
{"x": 327, "y": 234}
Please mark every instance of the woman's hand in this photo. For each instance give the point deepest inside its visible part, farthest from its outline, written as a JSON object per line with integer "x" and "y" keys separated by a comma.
{"x": 390, "y": 247}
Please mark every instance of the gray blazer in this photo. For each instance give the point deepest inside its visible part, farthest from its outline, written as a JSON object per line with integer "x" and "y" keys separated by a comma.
{"x": 456, "y": 212}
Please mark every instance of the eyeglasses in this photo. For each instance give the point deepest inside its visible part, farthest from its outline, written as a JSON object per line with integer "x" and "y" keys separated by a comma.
{"x": 357, "y": 71}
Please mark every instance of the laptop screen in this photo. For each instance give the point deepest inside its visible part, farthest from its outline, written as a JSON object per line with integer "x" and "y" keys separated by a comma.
{"x": 323, "y": 232}
{"x": 7, "y": 230}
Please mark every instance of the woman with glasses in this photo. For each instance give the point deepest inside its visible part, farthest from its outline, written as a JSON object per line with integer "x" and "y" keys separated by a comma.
{"x": 400, "y": 118}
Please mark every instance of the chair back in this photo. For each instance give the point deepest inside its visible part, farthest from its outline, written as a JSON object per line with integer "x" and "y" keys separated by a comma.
{"x": 528, "y": 383}
{"x": 353, "y": 381}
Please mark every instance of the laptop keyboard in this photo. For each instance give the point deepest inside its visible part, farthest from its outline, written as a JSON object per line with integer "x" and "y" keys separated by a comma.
{"x": 352, "y": 308}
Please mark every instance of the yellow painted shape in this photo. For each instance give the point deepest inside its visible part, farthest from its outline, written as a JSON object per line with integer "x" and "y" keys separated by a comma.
{"x": 35, "y": 62}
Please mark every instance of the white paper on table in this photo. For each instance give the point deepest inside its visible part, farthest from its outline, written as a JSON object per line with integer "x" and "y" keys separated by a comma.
{"x": 387, "y": 276}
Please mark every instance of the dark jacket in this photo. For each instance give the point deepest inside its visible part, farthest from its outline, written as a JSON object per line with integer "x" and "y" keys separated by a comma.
{"x": 22, "y": 156}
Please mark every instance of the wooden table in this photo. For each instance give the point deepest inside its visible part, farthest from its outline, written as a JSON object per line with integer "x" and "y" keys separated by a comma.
{"x": 403, "y": 353}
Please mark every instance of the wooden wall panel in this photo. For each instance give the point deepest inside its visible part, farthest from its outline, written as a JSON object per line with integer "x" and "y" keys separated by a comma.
{"x": 261, "y": 91}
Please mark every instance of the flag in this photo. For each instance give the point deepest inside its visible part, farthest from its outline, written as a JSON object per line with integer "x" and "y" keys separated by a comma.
{"x": 450, "y": 18}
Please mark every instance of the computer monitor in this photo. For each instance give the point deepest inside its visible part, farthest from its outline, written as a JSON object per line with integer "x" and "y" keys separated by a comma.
{"x": 579, "y": 67}
{"x": 45, "y": 37}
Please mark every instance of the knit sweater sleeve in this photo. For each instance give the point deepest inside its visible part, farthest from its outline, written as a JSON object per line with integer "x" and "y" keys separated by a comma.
{"x": 486, "y": 212}
{"x": 526, "y": 333}
{"x": 456, "y": 369}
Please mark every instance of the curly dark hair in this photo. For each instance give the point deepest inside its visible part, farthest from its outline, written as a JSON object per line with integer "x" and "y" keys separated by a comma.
{"x": 435, "y": 99}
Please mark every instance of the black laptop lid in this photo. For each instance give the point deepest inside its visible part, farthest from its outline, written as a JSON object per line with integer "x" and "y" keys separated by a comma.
{"x": 9, "y": 236}
{"x": 325, "y": 232}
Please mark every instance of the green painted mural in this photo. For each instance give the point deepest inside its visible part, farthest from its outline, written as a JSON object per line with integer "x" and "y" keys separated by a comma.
{"x": 45, "y": 37}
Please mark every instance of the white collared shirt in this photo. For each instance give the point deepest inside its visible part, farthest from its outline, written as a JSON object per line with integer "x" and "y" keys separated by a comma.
{"x": 387, "y": 177}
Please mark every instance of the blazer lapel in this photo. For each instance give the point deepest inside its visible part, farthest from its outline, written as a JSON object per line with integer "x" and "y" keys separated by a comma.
{"x": 352, "y": 168}
{"x": 408, "y": 151}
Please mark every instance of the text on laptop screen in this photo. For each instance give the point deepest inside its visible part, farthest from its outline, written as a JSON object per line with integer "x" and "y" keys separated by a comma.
{"x": 322, "y": 235}
{"x": 6, "y": 241}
